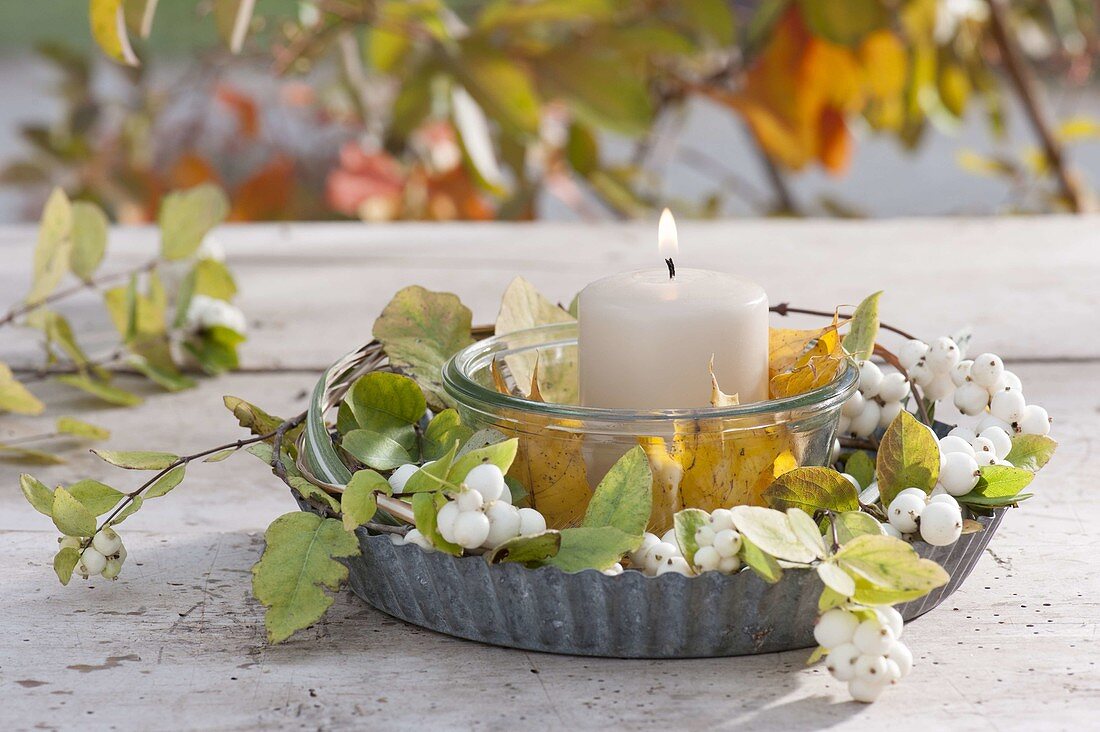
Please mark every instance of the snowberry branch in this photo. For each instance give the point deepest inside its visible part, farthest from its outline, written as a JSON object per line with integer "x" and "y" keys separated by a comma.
{"x": 784, "y": 309}
{"x": 20, "y": 310}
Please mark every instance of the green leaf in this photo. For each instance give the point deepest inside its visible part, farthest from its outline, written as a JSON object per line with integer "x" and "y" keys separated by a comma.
{"x": 212, "y": 278}
{"x": 64, "y": 562}
{"x": 83, "y": 430}
{"x": 298, "y": 563}
{"x": 166, "y": 482}
{"x": 812, "y": 489}
{"x": 89, "y": 239}
{"x": 52, "y": 253}
{"x": 375, "y": 450}
{"x": 389, "y": 404}
{"x": 908, "y": 457}
{"x": 37, "y": 494}
{"x": 188, "y": 216}
{"x": 686, "y": 523}
{"x": 836, "y": 579}
{"x": 70, "y": 516}
{"x": 500, "y": 454}
{"x": 251, "y": 417}
{"x": 311, "y": 492}
{"x": 975, "y": 501}
{"x": 601, "y": 89}
{"x": 29, "y": 455}
{"x": 624, "y": 498}
{"x": 771, "y": 532}
{"x": 760, "y": 562}
{"x": 14, "y": 397}
{"x": 851, "y": 524}
{"x": 109, "y": 31}
{"x": 711, "y": 18}
{"x": 592, "y": 547}
{"x": 358, "y": 503}
{"x": 101, "y": 390}
{"x": 583, "y": 153}
{"x": 1031, "y": 452}
{"x": 829, "y": 599}
{"x": 508, "y": 14}
{"x": 890, "y": 564}
{"x": 807, "y": 531}
{"x": 845, "y": 22}
{"x": 58, "y": 330}
{"x": 221, "y": 455}
{"x": 1001, "y": 481}
{"x": 443, "y": 432}
{"x": 502, "y": 88}
{"x": 818, "y": 654}
{"x": 138, "y": 459}
{"x": 98, "y": 498}
{"x": 432, "y": 477}
{"x": 419, "y": 331}
{"x": 425, "y": 511}
{"x": 861, "y": 467}
{"x": 135, "y": 504}
{"x": 530, "y": 550}
{"x": 168, "y": 379}
{"x": 863, "y": 330}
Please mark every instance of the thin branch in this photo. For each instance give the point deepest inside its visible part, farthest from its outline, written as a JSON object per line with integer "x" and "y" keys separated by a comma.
{"x": 785, "y": 309}
{"x": 21, "y": 310}
{"x": 1031, "y": 98}
{"x": 785, "y": 203}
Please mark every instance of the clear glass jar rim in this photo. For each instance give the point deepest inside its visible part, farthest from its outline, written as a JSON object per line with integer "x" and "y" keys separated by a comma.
{"x": 458, "y": 384}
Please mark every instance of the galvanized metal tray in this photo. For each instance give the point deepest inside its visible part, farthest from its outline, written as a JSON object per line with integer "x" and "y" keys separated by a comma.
{"x": 630, "y": 615}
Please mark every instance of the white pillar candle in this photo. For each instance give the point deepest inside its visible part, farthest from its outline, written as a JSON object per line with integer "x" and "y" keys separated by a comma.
{"x": 646, "y": 338}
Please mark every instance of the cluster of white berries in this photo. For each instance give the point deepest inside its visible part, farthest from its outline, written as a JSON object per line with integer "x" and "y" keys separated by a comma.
{"x": 104, "y": 556}
{"x": 938, "y": 518}
{"x": 205, "y": 312}
{"x": 718, "y": 543}
{"x": 865, "y": 653}
{"x": 481, "y": 516}
{"x": 974, "y": 384}
{"x": 876, "y": 403}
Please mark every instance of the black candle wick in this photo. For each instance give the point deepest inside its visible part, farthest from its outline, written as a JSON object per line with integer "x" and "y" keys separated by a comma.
{"x": 671, "y": 268}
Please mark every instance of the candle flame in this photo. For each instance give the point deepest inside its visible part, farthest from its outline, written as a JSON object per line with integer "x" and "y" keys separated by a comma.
{"x": 666, "y": 235}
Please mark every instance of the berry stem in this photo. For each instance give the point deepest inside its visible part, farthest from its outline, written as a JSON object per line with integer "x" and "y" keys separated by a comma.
{"x": 784, "y": 309}
{"x": 18, "y": 311}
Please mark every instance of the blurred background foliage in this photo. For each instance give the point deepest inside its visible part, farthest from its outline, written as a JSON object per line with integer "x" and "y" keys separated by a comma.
{"x": 470, "y": 109}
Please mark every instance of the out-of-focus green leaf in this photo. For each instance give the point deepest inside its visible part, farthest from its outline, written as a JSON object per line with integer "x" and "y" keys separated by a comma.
{"x": 507, "y": 14}
{"x": 89, "y": 238}
{"x": 14, "y": 397}
{"x": 54, "y": 248}
{"x": 187, "y": 216}
{"x": 101, "y": 390}
{"x": 843, "y": 21}
{"x": 708, "y": 18}
{"x": 501, "y": 87}
{"x": 601, "y": 90}
{"x": 108, "y": 23}
{"x": 863, "y": 329}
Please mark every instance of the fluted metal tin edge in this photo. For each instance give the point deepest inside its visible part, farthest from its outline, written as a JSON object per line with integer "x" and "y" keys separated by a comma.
{"x": 630, "y": 615}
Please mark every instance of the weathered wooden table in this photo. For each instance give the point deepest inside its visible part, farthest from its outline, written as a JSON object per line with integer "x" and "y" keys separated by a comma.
{"x": 177, "y": 642}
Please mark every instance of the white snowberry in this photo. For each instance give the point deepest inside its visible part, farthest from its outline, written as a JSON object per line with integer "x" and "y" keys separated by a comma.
{"x": 890, "y": 412}
{"x": 1008, "y": 381}
{"x": 835, "y": 628}
{"x": 904, "y": 512}
{"x": 112, "y": 568}
{"x": 91, "y": 562}
{"x": 68, "y": 542}
{"x": 533, "y": 522}
{"x": 400, "y": 476}
{"x": 704, "y": 536}
{"x": 471, "y": 529}
{"x": 893, "y": 672}
{"x": 504, "y": 523}
{"x": 676, "y": 565}
{"x": 613, "y": 570}
{"x": 889, "y": 530}
{"x": 106, "y": 541}
{"x": 961, "y": 372}
{"x": 638, "y": 556}
{"x": 844, "y": 426}
{"x": 854, "y": 406}
{"x": 721, "y": 518}
{"x": 873, "y": 638}
{"x": 941, "y": 523}
{"x": 707, "y": 558}
{"x": 870, "y": 378}
{"x": 912, "y": 492}
{"x": 1034, "y": 420}
{"x": 894, "y": 387}
{"x": 921, "y": 375}
{"x": 658, "y": 554}
{"x": 954, "y": 443}
{"x": 989, "y": 420}
{"x": 871, "y": 668}
{"x": 891, "y": 618}
{"x": 900, "y": 654}
{"x": 1001, "y": 441}
{"x": 939, "y": 388}
{"x": 841, "y": 661}
{"x": 971, "y": 398}
{"x": 911, "y": 352}
{"x": 1007, "y": 405}
{"x": 727, "y": 542}
{"x": 963, "y": 432}
{"x": 415, "y": 537}
{"x": 944, "y": 498}
{"x": 865, "y": 690}
{"x": 852, "y": 479}
{"x": 670, "y": 536}
{"x": 470, "y": 500}
{"x": 942, "y": 356}
{"x": 959, "y": 473}
{"x": 487, "y": 479}
{"x": 729, "y": 565}
{"x": 867, "y": 421}
{"x": 987, "y": 368}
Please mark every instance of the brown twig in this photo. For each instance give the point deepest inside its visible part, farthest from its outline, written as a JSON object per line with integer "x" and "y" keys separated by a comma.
{"x": 784, "y": 309}
{"x": 1030, "y": 95}
{"x": 21, "y": 310}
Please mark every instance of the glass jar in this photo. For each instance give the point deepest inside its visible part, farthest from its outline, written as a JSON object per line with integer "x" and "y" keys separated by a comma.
{"x": 704, "y": 458}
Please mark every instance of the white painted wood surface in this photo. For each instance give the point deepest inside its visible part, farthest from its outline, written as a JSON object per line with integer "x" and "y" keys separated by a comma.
{"x": 177, "y": 642}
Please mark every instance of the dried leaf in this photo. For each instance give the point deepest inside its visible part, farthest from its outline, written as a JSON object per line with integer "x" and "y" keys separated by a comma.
{"x": 719, "y": 398}
{"x": 14, "y": 397}
{"x": 522, "y": 307}
{"x": 550, "y": 464}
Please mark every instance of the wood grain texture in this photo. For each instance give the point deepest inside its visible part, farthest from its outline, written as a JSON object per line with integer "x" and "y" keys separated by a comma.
{"x": 177, "y": 642}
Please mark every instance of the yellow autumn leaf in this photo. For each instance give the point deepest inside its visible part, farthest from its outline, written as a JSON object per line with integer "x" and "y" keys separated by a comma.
{"x": 108, "y": 24}
{"x": 816, "y": 364}
{"x": 885, "y": 64}
{"x": 724, "y": 469}
{"x": 550, "y": 464}
{"x": 667, "y": 474}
